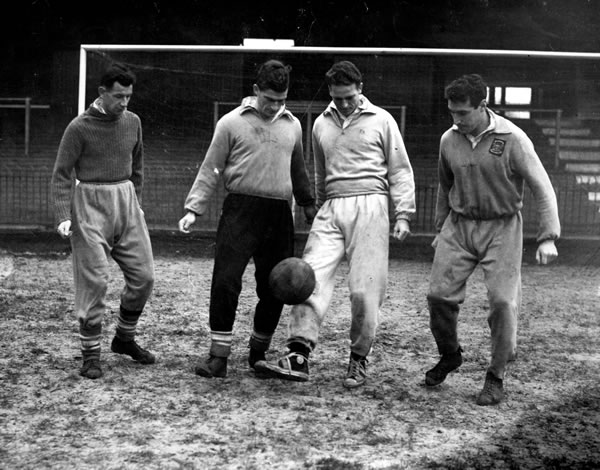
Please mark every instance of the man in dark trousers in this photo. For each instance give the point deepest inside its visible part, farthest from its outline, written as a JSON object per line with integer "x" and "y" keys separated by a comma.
{"x": 100, "y": 212}
{"x": 257, "y": 148}
{"x": 484, "y": 162}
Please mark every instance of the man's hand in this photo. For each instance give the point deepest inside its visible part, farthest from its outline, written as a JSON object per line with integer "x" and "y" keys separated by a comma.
{"x": 309, "y": 213}
{"x": 186, "y": 222}
{"x": 64, "y": 229}
{"x": 401, "y": 229}
{"x": 546, "y": 252}
{"x": 435, "y": 242}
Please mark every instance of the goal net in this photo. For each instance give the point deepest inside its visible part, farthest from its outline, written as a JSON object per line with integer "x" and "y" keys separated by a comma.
{"x": 183, "y": 90}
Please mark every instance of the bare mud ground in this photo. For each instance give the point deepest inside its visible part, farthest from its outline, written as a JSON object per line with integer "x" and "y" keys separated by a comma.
{"x": 164, "y": 417}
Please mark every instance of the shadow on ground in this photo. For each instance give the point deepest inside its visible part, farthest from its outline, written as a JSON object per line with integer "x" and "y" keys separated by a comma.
{"x": 564, "y": 436}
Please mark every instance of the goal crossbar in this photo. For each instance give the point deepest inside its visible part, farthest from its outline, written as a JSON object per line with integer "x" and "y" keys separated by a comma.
{"x": 85, "y": 48}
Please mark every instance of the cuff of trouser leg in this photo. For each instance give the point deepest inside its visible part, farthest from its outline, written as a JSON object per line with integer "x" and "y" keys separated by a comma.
{"x": 434, "y": 302}
{"x": 218, "y": 350}
{"x": 360, "y": 354}
{"x": 130, "y": 313}
{"x": 90, "y": 330}
{"x": 445, "y": 349}
{"x": 498, "y": 374}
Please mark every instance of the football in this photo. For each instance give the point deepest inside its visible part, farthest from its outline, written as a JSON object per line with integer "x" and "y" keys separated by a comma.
{"x": 292, "y": 281}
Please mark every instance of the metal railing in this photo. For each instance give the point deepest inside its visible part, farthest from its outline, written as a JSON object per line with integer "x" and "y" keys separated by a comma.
{"x": 23, "y": 103}
{"x": 557, "y": 124}
{"x": 25, "y": 201}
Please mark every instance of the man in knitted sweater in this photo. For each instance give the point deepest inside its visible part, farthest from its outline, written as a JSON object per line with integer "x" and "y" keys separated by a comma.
{"x": 257, "y": 148}
{"x": 100, "y": 212}
{"x": 361, "y": 164}
{"x": 484, "y": 162}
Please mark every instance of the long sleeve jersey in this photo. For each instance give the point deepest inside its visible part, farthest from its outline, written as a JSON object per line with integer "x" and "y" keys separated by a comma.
{"x": 364, "y": 154}
{"x": 487, "y": 181}
{"x": 101, "y": 148}
{"x": 255, "y": 157}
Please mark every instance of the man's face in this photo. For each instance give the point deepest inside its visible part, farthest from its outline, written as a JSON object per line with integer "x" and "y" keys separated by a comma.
{"x": 345, "y": 97}
{"x": 115, "y": 99}
{"x": 467, "y": 118}
{"x": 269, "y": 102}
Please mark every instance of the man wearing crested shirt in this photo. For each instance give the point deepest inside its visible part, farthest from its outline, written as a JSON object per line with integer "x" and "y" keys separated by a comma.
{"x": 360, "y": 161}
{"x": 102, "y": 216}
{"x": 257, "y": 148}
{"x": 485, "y": 160}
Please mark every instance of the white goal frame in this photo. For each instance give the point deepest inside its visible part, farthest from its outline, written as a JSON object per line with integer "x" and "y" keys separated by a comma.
{"x": 84, "y": 48}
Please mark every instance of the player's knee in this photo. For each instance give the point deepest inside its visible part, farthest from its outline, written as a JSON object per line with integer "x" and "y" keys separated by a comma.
{"x": 437, "y": 297}
{"x": 502, "y": 305}
{"x": 366, "y": 297}
{"x": 148, "y": 283}
{"x": 144, "y": 284}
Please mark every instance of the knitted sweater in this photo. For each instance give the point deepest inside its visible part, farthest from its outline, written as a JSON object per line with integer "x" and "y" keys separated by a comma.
{"x": 487, "y": 182}
{"x": 101, "y": 148}
{"x": 255, "y": 157}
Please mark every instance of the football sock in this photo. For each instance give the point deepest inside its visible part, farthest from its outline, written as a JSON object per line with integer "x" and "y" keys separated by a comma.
{"x": 221, "y": 343}
{"x": 126, "y": 324}
{"x": 300, "y": 349}
{"x": 90, "y": 341}
{"x": 357, "y": 357}
{"x": 260, "y": 341}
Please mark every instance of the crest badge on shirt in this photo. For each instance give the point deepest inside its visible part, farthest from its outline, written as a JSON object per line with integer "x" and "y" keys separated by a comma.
{"x": 497, "y": 147}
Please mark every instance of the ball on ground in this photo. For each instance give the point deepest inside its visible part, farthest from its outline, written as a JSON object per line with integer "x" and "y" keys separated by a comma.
{"x": 292, "y": 281}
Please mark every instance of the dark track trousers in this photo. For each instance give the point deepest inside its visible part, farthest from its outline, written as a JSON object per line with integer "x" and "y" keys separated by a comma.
{"x": 255, "y": 228}
{"x": 496, "y": 245}
{"x": 108, "y": 222}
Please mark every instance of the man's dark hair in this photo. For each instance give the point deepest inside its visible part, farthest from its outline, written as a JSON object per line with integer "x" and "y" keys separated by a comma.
{"x": 117, "y": 72}
{"x": 343, "y": 73}
{"x": 470, "y": 87}
{"x": 273, "y": 75}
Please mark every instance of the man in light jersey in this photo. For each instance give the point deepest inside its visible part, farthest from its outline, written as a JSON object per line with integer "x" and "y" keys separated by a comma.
{"x": 360, "y": 161}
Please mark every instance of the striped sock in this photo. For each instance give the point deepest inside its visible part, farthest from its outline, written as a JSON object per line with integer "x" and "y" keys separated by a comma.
{"x": 90, "y": 341}
{"x": 221, "y": 343}
{"x": 126, "y": 324}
